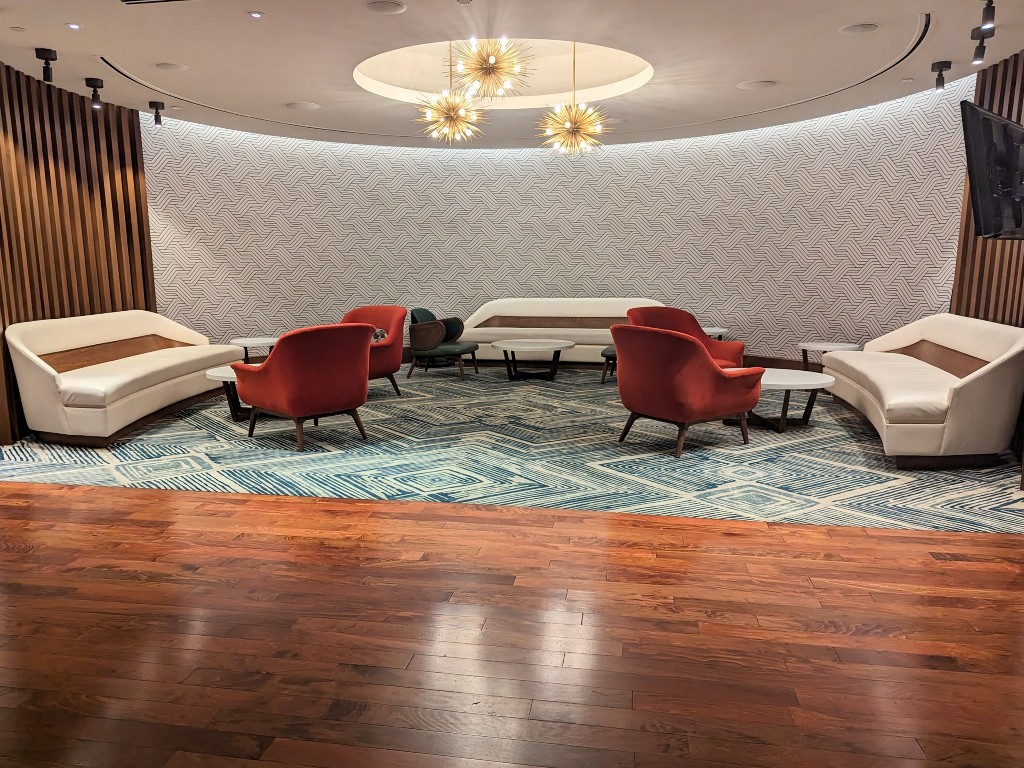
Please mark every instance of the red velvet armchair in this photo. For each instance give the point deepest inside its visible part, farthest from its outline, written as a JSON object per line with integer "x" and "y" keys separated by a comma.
{"x": 386, "y": 355}
{"x": 669, "y": 376}
{"x": 311, "y": 373}
{"x": 728, "y": 354}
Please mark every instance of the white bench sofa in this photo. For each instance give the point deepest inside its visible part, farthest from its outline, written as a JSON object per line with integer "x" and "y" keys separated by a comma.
{"x": 83, "y": 380}
{"x": 946, "y": 387}
{"x": 586, "y": 321}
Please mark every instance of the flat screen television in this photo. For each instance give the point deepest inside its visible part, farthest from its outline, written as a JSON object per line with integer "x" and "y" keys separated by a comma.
{"x": 995, "y": 168}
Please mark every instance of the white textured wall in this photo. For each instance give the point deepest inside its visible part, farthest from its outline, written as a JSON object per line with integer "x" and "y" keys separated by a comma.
{"x": 839, "y": 228}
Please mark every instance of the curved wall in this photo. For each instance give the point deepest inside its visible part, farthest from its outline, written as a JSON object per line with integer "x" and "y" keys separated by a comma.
{"x": 839, "y": 228}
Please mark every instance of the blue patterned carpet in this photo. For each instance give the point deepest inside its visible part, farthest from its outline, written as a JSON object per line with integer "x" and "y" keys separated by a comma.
{"x": 544, "y": 444}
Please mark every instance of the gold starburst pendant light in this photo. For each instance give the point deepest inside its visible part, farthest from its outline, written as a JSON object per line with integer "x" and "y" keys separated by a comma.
{"x": 491, "y": 68}
{"x": 573, "y": 128}
{"x": 452, "y": 115}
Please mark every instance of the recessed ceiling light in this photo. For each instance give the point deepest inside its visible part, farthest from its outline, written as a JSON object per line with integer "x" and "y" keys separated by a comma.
{"x": 304, "y": 106}
{"x": 390, "y": 7}
{"x": 171, "y": 66}
{"x": 16, "y": 29}
{"x": 858, "y": 29}
{"x": 175, "y": 107}
{"x": 257, "y": 14}
{"x": 73, "y": 25}
{"x": 756, "y": 85}
{"x": 908, "y": 80}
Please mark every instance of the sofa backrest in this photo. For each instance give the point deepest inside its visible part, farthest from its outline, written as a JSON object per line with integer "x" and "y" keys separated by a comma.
{"x": 530, "y": 313}
{"x": 977, "y": 338}
{"x": 43, "y": 337}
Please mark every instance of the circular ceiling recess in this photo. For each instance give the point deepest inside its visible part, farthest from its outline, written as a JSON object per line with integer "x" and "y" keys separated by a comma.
{"x": 390, "y": 7}
{"x": 407, "y": 74}
{"x": 170, "y": 66}
{"x": 303, "y": 106}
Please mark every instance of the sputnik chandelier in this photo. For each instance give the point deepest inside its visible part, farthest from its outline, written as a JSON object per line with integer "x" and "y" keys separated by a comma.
{"x": 573, "y": 128}
{"x": 491, "y": 68}
{"x": 451, "y": 115}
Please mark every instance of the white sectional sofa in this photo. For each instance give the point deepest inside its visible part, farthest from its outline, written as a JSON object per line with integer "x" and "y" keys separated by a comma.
{"x": 585, "y": 321}
{"x": 83, "y": 379}
{"x": 946, "y": 386}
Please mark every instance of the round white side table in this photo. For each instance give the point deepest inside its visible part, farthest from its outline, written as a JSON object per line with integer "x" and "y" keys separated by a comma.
{"x": 509, "y": 347}
{"x": 226, "y": 375}
{"x": 824, "y": 346}
{"x": 787, "y": 380}
{"x": 714, "y": 330}
{"x": 245, "y": 342}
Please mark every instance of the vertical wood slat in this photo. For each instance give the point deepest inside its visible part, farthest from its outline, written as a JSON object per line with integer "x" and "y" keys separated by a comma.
{"x": 989, "y": 281}
{"x": 74, "y": 223}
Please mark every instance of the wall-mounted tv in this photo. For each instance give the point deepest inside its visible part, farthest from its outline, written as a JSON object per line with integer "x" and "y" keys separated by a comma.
{"x": 995, "y": 168}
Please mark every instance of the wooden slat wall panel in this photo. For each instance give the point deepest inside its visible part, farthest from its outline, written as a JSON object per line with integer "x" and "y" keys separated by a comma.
{"x": 989, "y": 282}
{"x": 74, "y": 223}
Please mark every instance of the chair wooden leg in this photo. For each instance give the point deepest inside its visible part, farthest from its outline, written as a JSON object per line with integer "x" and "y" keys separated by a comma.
{"x": 604, "y": 372}
{"x": 743, "y": 428}
{"x": 316, "y": 421}
{"x": 412, "y": 367}
{"x": 629, "y": 425}
{"x": 462, "y": 370}
{"x": 253, "y": 413}
{"x": 476, "y": 365}
{"x": 298, "y": 433}
{"x": 391, "y": 378}
{"x": 359, "y": 422}
{"x": 680, "y": 439}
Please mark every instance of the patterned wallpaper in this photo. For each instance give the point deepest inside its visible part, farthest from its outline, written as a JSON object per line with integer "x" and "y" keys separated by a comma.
{"x": 839, "y": 228}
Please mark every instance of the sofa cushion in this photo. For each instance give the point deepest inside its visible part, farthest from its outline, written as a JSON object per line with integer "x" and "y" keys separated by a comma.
{"x": 908, "y": 390}
{"x": 97, "y": 386}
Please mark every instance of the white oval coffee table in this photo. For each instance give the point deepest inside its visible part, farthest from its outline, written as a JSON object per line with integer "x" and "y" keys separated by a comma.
{"x": 509, "y": 347}
{"x": 787, "y": 380}
{"x": 245, "y": 342}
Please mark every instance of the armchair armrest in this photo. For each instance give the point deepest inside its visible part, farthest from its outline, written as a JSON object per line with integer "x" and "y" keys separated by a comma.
{"x": 726, "y": 350}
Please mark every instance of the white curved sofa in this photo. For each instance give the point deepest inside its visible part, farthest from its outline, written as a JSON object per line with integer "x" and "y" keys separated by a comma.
{"x": 945, "y": 386}
{"x": 84, "y": 379}
{"x": 585, "y": 321}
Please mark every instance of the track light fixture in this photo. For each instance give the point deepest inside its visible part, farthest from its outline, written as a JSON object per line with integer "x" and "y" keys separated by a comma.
{"x": 95, "y": 83}
{"x": 981, "y": 35}
{"x": 941, "y": 67}
{"x": 988, "y": 16}
{"x": 46, "y": 55}
{"x": 156, "y": 106}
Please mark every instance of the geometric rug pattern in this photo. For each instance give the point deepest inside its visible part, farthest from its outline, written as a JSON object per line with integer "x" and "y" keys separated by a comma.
{"x": 541, "y": 444}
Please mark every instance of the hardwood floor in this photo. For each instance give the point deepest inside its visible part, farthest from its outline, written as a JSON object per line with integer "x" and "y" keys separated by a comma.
{"x": 152, "y": 628}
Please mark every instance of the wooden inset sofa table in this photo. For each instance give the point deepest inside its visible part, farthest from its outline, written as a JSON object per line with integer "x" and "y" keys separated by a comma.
{"x": 510, "y": 346}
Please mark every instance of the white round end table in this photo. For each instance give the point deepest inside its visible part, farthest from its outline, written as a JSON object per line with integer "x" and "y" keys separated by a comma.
{"x": 824, "y": 346}
{"x": 509, "y": 348}
{"x": 714, "y": 330}
{"x": 245, "y": 342}
{"x": 787, "y": 380}
{"x": 226, "y": 375}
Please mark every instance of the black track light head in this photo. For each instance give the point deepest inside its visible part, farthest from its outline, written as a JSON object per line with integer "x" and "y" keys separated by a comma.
{"x": 940, "y": 68}
{"x": 988, "y": 16}
{"x": 95, "y": 83}
{"x": 157, "y": 106}
{"x": 46, "y": 55}
{"x": 981, "y": 35}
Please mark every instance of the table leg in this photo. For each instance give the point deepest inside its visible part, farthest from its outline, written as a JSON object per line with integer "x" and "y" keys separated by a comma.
{"x": 811, "y": 397}
{"x": 238, "y": 413}
{"x": 245, "y": 357}
{"x": 807, "y": 361}
{"x": 508, "y": 366}
{"x": 554, "y": 364}
{"x": 785, "y": 412}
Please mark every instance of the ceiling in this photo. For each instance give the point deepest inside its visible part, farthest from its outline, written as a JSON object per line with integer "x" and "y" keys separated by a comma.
{"x": 243, "y": 72}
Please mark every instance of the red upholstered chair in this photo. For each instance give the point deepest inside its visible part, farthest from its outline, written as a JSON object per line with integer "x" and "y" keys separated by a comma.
{"x": 386, "y": 355}
{"x": 311, "y": 372}
{"x": 669, "y": 376}
{"x": 728, "y": 354}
